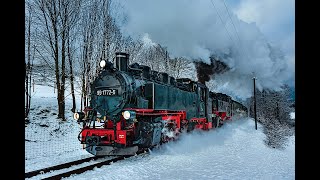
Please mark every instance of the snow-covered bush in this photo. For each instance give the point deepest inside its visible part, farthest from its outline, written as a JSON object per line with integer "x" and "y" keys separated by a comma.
{"x": 273, "y": 111}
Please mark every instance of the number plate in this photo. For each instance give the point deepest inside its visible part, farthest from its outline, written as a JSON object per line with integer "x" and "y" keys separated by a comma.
{"x": 107, "y": 92}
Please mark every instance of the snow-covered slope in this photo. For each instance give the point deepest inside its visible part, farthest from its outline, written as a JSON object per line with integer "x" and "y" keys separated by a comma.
{"x": 48, "y": 140}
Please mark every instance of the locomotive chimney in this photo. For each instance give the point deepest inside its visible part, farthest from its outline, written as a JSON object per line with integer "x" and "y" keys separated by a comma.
{"x": 122, "y": 61}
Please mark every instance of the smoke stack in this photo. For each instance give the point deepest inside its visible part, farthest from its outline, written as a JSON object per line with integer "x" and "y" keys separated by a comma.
{"x": 122, "y": 61}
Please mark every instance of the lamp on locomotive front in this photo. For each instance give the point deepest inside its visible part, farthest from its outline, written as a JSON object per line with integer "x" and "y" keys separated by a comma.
{"x": 129, "y": 115}
{"x": 78, "y": 116}
{"x": 103, "y": 63}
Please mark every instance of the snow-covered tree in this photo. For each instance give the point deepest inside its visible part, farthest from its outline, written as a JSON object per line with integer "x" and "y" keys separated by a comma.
{"x": 28, "y": 64}
{"x": 273, "y": 111}
{"x": 179, "y": 66}
{"x": 55, "y": 21}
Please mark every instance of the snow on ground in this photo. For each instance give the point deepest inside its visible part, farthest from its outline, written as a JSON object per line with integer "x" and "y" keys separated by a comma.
{"x": 235, "y": 151}
{"x": 49, "y": 141}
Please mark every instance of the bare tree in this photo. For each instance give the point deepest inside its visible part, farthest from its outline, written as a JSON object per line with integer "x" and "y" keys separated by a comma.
{"x": 89, "y": 31}
{"x": 70, "y": 16}
{"x": 55, "y": 22}
{"x": 178, "y": 67}
{"x": 106, "y": 28}
{"x": 160, "y": 58}
{"x": 153, "y": 55}
{"x": 50, "y": 15}
{"x": 132, "y": 47}
{"x": 111, "y": 39}
{"x": 29, "y": 64}
{"x": 100, "y": 39}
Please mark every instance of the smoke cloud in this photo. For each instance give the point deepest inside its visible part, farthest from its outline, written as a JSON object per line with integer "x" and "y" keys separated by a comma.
{"x": 193, "y": 29}
{"x": 206, "y": 71}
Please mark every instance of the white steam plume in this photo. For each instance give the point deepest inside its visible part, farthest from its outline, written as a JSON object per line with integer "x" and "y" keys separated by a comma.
{"x": 193, "y": 29}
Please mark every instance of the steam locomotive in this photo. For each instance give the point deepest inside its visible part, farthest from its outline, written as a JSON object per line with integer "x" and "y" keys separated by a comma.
{"x": 133, "y": 107}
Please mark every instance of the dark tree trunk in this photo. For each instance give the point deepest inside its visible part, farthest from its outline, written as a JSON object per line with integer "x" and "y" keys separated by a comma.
{"x": 63, "y": 78}
{"x": 83, "y": 96}
{"x": 63, "y": 66}
{"x": 56, "y": 60}
{"x": 27, "y": 68}
{"x": 71, "y": 76}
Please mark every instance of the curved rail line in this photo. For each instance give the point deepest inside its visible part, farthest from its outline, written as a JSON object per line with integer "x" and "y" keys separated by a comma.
{"x": 79, "y": 170}
{"x": 60, "y": 166}
{"x": 86, "y": 168}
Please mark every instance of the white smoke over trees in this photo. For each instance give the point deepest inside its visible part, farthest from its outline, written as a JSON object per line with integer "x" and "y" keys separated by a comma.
{"x": 199, "y": 29}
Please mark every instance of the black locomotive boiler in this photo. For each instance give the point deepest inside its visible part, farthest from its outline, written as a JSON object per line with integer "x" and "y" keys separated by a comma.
{"x": 133, "y": 107}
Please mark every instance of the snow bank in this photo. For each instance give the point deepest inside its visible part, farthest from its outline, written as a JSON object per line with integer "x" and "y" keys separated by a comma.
{"x": 48, "y": 140}
{"x": 235, "y": 151}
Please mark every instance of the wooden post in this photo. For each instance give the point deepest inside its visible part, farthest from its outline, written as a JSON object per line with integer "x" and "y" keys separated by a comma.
{"x": 254, "y": 104}
{"x": 33, "y": 85}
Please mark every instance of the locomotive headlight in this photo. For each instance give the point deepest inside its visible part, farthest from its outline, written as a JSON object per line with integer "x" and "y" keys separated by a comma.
{"x": 126, "y": 114}
{"x": 129, "y": 115}
{"x": 78, "y": 116}
{"x": 102, "y": 63}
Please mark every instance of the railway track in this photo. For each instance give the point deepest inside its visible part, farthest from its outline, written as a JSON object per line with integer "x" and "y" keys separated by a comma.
{"x": 77, "y": 170}
{"x": 58, "y": 167}
{"x": 86, "y": 168}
